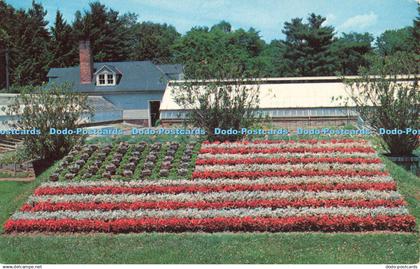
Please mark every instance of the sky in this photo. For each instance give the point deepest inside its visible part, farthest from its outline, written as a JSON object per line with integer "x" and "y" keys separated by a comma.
{"x": 266, "y": 16}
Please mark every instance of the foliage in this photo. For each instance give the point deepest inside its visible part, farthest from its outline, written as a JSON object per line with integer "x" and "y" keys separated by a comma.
{"x": 40, "y": 108}
{"x": 392, "y": 41}
{"x": 416, "y": 31}
{"x": 107, "y": 31}
{"x": 308, "y": 47}
{"x": 16, "y": 156}
{"x": 63, "y": 48}
{"x": 203, "y": 51}
{"x": 5, "y": 18}
{"x": 351, "y": 51}
{"x": 28, "y": 63}
{"x": 272, "y": 59}
{"x": 153, "y": 41}
{"x": 229, "y": 100}
{"x": 386, "y": 101}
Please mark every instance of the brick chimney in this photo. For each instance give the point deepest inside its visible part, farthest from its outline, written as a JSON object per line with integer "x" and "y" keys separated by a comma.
{"x": 86, "y": 62}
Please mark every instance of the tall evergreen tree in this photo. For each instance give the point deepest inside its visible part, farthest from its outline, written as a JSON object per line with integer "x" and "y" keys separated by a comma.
{"x": 63, "y": 46}
{"x": 31, "y": 55}
{"x": 106, "y": 30}
{"x": 308, "y": 47}
{"x": 7, "y": 23}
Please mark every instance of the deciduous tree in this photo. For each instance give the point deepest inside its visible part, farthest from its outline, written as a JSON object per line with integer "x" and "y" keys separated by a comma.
{"x": 56, "y": 107}
{"x": 387, "y": 96}
{"x": 228, "y": 100}
{"x": 351, "y": 51}
{"x": 153, "y": 41}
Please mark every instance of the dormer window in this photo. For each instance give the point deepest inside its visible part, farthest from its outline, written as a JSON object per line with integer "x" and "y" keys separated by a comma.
{"x": 105, "y": 79}
{"x": 107, "y": 76}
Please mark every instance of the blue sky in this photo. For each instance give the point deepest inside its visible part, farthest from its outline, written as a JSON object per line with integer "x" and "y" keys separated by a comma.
{"x": 267, "y": 16}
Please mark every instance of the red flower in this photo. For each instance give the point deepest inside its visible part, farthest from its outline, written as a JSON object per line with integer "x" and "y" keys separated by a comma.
{"x": 257, "y": 174}
{"x": 313, "y": 223}
{"x": 215, "y": 161}
{"x": 165, "y": 205}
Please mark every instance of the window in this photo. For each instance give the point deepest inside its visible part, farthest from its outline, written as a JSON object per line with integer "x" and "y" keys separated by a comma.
{"x": 110, "y": 79}
{"x": 105, "y": 79}
{"x": 101, "y": 79}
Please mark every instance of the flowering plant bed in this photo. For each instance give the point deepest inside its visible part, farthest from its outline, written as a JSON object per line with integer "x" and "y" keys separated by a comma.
{"x": 273, "y": 186}
{"x": 125, "y": 161}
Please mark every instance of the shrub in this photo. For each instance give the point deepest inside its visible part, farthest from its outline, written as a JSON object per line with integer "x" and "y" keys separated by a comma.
{"x": 387, "y": 96}
{"x": 44, "y": 108}
{"x": 227, "y": 100}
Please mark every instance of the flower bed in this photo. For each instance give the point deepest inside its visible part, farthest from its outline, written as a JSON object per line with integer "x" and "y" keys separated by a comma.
{"x": 121, "y": 161}
{"x": 244, "y": 186}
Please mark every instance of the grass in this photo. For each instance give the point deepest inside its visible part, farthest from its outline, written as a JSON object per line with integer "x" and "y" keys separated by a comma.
{"x": 212, "y": 248}
{"x": 304, "y": 248}
{"x": 408, "y": 185}
{"x": 14, "y": 194}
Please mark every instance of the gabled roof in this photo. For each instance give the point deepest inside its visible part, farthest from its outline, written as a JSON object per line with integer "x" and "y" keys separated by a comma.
{"x": 136, "y": 76}
{"x": 110, "y": 68}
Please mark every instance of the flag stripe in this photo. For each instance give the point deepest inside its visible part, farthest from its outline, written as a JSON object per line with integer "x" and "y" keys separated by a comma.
{"x": 316, "y": 223}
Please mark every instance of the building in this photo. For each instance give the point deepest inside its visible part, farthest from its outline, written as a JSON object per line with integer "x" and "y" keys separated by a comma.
{"x": 288, "y": 102}
{"x": 105, "y": 111}
{"x": 135, "y": 87}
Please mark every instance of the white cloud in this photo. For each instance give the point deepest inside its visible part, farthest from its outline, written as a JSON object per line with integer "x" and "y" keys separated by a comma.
{"x": 330, "y": 19}
{"x": 359, "y": 21}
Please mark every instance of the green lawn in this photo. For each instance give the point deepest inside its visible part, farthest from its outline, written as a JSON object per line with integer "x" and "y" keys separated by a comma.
{"x": 210, "y": 248}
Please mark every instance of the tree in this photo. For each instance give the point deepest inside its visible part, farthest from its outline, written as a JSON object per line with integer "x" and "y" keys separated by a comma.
{"x": 41, "y": 109}
{"x": 30, "y": 56}
{"x": 7, "y": 22}
{"x": 202, "y": 49}
{"x": 351, "y": 51}
{"x": 63, "y": 46}
{"x": 153, "y": 41}
{"x": 392, "y": 41}
{"x": 249, "y": 40}
{"x": 416, "y": 31}
{"x": 223, "y": 26}
{"x": 386, "y": 100}
{"x": 107, "y": 31}
{"x": 229, "y": 100}
{"x": 308, "y": 47}
{"x": 272, "y": 59}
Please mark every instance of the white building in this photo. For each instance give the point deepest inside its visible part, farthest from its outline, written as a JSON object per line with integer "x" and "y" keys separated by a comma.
{"x": 288, "y": 102}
